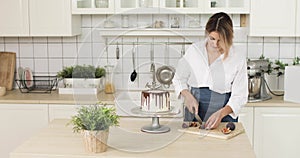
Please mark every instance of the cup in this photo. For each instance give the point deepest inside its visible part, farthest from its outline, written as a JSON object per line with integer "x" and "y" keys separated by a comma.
{"x": 2, "y": 91}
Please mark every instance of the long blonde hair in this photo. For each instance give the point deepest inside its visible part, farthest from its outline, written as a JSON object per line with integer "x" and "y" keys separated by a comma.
{"x": 221, "y": 23}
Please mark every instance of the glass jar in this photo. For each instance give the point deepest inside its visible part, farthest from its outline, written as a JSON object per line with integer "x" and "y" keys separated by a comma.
{"x": 109, "y": 86}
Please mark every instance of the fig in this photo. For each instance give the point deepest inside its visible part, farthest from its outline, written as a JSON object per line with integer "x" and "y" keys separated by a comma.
{"x": 230, "y": 125}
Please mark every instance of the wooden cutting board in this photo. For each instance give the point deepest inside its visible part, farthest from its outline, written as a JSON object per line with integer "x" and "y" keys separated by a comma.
{"x": 7, "y": 69}
{"x": 216, "y": 133}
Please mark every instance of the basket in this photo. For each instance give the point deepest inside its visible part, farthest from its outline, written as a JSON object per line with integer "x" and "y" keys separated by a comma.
{"x": 39, "y": 84}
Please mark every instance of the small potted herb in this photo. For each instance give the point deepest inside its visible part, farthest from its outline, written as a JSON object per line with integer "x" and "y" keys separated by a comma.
{"x": 93, "y": 121}
{"x": 82, "y": 76}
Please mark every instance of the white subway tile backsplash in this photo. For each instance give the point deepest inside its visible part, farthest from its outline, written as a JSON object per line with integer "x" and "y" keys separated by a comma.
{"x": 272, "y": 81}
{"x": 25, "y": 39}
{"x": 27, "y": 63}
{"x": 287, "y": 50}
{"x": 55, "y": 65}
{"x": 96, "y": 36}
{"x": 255, "y": 50}
{"x": 241, "y": 48}
{"x": 69, "y": 39}
{"x": 11, "y": 40}
{"x": 84, "y": 61}
{"x": 271, "y": 50}
{"x": 99, "y": 49}
{"x": 56, "y": 39}
{"x": 86, "y": 35}
{"x": 240, "y": 34}
{"x": 41, "y": 65}
{"x": 271, "y": 39}
{"x": 55, "y": 50}
{"x": 26, "y": 50}
{"x": 39, "y": 39}
{"x": 98, "y": 20}
{"x": 255, "y": 39}
{"x": 85, "y": 50}
{"x": 69, "y": 62}
{"x": 287, "y": 39}
{"x": 40, "y": 50}
{"x": 12, "y": 47}
{"x": 86, "y": 20}
{"x": 298, "y": 49}
{"x": 1, "y": 47}
{"x": 70, "y": 50}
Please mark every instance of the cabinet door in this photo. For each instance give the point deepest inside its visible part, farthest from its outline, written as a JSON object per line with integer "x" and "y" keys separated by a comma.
{"x": 57, "y": 111}
{"x": 93, "y": 6}
{"x": 137, "y": 6}
{"x": 276, "y": 132}
{"x": 14, "y": 18}
{"x": 298, "y": 19}
{"x": 181, "y": 6}
{"x": 18, "y": 123}
{"x": 53, "y": 18}
{"x": 228, "y": 6}
{"x": 272, "y": 18}
{"x": 246, "y": 118}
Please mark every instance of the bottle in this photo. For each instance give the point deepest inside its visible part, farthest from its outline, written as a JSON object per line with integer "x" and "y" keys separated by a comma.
{"x": 109, "y": 86}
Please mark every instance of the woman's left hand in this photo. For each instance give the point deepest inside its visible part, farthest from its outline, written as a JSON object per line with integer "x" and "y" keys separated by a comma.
{"x": 214, "y": 120}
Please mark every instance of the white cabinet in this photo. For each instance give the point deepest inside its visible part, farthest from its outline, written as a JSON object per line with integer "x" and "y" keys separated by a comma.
{"x": 273, "y": 18}
{"x": 53, "y": 18}
{"x": 137, "y": 6}
{"x": 298, "y": 19}
{"x": 277, "y": 132}
{"x": 228, "y": 6}
{"x": 60, "y": 111}
{"x": 93, "y": 6}
{"x": 246, "y": 118}
{"x": 181, "y": 6}
{"x": 14, "y": 18}
{"x": 18, "y": 123}
{"x": 38, "y": 18}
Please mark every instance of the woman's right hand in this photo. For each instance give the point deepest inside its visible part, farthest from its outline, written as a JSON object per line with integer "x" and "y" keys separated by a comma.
{"x": 190, "y": 102}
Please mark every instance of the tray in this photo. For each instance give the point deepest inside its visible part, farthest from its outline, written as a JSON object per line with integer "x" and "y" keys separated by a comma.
{"x": 38, "y": 84}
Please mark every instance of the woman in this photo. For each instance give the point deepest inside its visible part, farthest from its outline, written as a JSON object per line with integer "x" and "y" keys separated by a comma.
{"x": 211, "y": 77}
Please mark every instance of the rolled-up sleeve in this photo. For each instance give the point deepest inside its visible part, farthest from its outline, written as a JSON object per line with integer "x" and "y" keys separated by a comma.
{"x": 239, "y": 91}
{"x": 181, "y": 76}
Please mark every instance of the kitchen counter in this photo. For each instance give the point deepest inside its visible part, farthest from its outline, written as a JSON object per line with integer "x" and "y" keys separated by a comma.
{"x": 128, "y": 141}
{"x": 16, "y": 97}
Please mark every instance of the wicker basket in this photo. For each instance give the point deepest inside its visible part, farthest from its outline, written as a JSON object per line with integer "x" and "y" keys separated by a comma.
{"x": 95, "y": 141}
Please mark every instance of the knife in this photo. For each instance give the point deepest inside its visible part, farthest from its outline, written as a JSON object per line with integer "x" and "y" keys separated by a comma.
{"x": 198, "y": 117}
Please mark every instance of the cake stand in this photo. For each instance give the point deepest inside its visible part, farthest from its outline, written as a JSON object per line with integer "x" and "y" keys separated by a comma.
{"x": 155, "y": 127}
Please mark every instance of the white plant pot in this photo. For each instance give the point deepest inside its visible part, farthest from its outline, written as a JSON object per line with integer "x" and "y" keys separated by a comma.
{"x": 82, "y": 86}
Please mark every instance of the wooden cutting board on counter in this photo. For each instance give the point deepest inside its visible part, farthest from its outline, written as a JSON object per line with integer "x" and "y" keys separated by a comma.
{"x": 216, "y": 133}
{"x": 7, "y": 69}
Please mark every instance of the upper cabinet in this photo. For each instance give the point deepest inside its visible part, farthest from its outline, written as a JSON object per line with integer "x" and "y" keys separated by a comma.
{"x": 137, "y": 6}
{"x": 181, "y": 6}
{"x": 53, "y": 18}
{"x": 93, "y": 6}
{"x": 273, "y": 18}
{"x": 14, "y": 18}
{"x": 160, "y": 6}
{"x": 228, "y": 6}
{"x": 38, "y": 18}
{"x": 298, "y": 19}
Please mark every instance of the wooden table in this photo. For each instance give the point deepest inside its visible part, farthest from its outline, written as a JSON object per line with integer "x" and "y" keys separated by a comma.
{"x": 127, "y": 140}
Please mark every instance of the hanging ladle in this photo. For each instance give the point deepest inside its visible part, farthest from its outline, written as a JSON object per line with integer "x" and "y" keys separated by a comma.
{"x": 134, "y": 73}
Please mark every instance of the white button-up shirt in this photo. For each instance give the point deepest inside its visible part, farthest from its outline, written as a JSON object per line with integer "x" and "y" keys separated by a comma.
{"x": 222, "y": 76}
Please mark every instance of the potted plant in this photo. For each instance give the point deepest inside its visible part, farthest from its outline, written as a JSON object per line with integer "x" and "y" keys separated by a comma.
{"x": 93, "y": 121}
{"x": 82, "y": 76}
